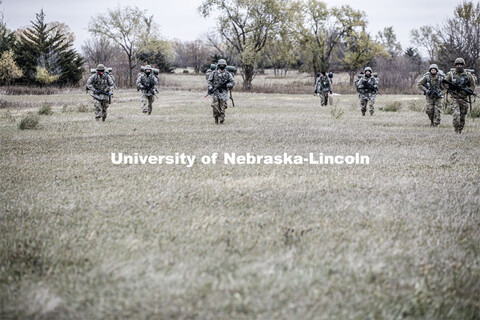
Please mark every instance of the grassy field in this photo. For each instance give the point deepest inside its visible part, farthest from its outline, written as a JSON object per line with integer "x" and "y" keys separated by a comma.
{"x": 82, "y": 238}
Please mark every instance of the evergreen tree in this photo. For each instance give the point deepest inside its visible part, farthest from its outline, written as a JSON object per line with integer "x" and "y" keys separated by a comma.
{"x": 46, "y": 46}
{"x": 7, "y": 38}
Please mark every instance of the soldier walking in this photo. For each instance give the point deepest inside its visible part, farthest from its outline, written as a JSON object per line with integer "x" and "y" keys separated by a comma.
{"x": 101, "y": 84}
{"x": 148, "y": 83}
{"x": 219, "y": 82}
{"x": 323, "y": 87}
{"x": 461, "y": 79}
{"x": 431, "y": 85}
{"x": 367, "y": 87}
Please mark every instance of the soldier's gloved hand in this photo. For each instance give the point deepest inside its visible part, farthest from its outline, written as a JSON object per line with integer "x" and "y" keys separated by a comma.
{"x": 210, "y": 91}
{"x": 96, "y": 92}
{"x": 426, "y": 92}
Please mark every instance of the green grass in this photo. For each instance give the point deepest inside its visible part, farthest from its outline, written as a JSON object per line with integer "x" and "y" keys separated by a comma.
{"x": 29, "y": 121}
{"x": 85, "y": 239}
{"x": 45, "y": 110}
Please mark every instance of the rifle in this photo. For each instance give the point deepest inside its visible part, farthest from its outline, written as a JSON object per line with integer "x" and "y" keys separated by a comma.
{"x": 231, "y": 98}
{"x": 455, "y": 89}
{"x": 367, "y": 86}
{"x": 98, "y": 91}
{"x": 150, "y": 90}
{"x": 217, "y": 87}
{"x": 432, "y": 93}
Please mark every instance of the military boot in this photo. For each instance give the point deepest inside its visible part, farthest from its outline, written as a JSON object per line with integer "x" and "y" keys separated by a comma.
{"x": 371, "y": 113}
{"x": 216, "y": 120}
{"x": 363, "y": 112}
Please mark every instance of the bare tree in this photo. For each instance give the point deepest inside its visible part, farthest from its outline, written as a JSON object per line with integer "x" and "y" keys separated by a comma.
{"x": 98, "y": 50}
{"x": 460, "y": 36}
{"x": 180, "y": 53}
{"x": 198, "y": 53}
{"x": 123, "y": 26}
{"x": 426, "y": 38}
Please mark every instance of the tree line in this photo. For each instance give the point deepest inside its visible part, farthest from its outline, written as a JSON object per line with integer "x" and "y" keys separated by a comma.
{"x": 254, "y": 35}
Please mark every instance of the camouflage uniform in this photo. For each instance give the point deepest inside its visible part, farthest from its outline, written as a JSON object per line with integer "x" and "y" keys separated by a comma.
{"x": 431, "y": 85}
{"x": 100, "y": 81}
{"x": 148, "y": 83}
{"x": 367, "y": 88}
{"x": 323, "y": 86}
{"x": 220, "y": 96}
{"x": 460, "y": 100}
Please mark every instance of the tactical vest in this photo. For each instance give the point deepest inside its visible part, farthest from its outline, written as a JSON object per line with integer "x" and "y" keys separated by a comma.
{"x": 371, "y": 81}
{"x": 147, "y": 81}
{"x": 461, "y": 80}
{"x": 219, "y": 78}
{"x": 434, "y": 83}
{"x": 101, "y": 82}
{"x": 324, "y": 82}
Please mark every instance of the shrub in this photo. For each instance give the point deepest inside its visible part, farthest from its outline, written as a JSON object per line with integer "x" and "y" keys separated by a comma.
{"x": 43, "y": 76}
{"x": 30, "y": 121}
{"x": 45, "y": 110}
{"x": 475, "y": 113}
{"x": 393, "y": 106}
{"x": 337, "y": 112}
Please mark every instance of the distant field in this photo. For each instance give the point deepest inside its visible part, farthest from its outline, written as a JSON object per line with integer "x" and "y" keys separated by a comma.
{"x": 82, "y": 238}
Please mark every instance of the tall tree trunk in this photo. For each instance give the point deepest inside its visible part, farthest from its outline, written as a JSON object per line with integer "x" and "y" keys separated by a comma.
{"x": 352, "y": 76}
{"x": 130, "y": 74}
{"x": 248, "y": 71}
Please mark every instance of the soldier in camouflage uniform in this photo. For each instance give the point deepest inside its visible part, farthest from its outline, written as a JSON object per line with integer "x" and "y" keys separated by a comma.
{"x": 460, "y": 99}
{"x": 323, "y": 87}
{"x": 148, "y": 83}
{"x": 102, "y": 86}
{"x": 431, "y": 85}
{"x": 223, "y": 81}
{"x": 367, "y": 87}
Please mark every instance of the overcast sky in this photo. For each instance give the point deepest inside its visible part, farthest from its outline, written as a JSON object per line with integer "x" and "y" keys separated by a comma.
{"x": 180, "y": 19}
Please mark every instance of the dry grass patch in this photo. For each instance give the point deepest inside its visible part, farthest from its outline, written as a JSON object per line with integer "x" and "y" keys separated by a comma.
{"x": 83, "y": 238}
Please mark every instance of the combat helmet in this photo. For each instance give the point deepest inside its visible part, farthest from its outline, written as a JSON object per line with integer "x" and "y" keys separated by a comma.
{"x": 147, "y": 67}
{"x": 368, "y": 69}
{"x": 433, "y": 66}
{"x": 459, "y": 61}
{"x": 222, "y": 61}
{"x": 101, "y": 67}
